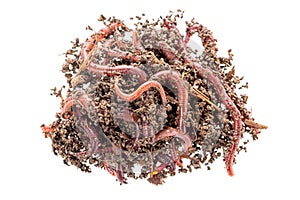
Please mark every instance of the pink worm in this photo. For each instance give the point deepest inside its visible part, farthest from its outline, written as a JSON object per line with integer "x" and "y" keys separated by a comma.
{"x": 120, "y": 69}
{"x": 141, "y": 89}
{"x": 175, "y": 133}
{"x": 176, "y": 79}
{"x": 103, "y": 33}
{"x": 207, "y": 38}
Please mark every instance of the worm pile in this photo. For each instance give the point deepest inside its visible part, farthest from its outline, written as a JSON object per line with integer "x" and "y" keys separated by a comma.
{"x": 149, "y": 102}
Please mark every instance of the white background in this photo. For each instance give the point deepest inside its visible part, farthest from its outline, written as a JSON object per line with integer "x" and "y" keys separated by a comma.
{"x": 264, "y": 36}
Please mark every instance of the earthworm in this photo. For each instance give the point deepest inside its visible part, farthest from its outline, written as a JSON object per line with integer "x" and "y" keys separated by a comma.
{"x": 122, "y": 54}
{"x": 166, "y": 160}
{"x": 131, "y": 57}
{"x": 47, "y": 130}
{"x": 92, "y": 135}
{"x": 136, "y": 41}
{"x": 128, "y": 56}
{"x": 90, "y": 43}
{"x": 120, "y": 174}
{"x": 70, "y": 101}
{"x": 148, "y": 130}
{"x": 176, "y": 157}
{"x": 141, "y": 89}
{"x": 207, "y": 39}
{"x": 83, "y": 100}
{"x": 175, "y": 133}
{"x": 67, "y": 105}
{"x": 105, "y": 165}
{"x": 204, "y": 34}
{"x": 170, "y": 56}
{"x": 229, "y": 104}
{"x": 120, "y": 69}
{"x": 171, "y": 25}
{"x": 175, "y": 77}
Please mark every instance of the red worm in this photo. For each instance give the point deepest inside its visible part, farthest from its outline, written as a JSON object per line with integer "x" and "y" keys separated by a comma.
{"x": 148, "y": 130}
{"x": 229, "y": 104}
{"x": 68, "y": 103}
{"x": 47, "y": 130}
{"x": 120, "y": 174}
{"x": 176, "y": 79}
{"x": 176, "y": 157}
{"x": 92, "y": 134}
{"x": 103, "y": 33}
{"x": 170, "y": 25}
{"x": 123, "y": 55}
{"x": 175, "y": 133}
{"x": 120, "y": 69}
{"x": 204, "y": 34}
{"x": 167, "y": 52}
{"x": 166, "y": 160}
{"x": 105, "y": 165}
{"x": 83, "y": 100}
{"x": 128, "y": 56}
{"x": 141, "y": 89}
{"x": 137, "y": 42}
{"x": 209, "y": 41}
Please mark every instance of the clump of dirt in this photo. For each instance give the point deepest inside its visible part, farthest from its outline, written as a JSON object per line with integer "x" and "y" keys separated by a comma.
{"x": 141, "y": 101}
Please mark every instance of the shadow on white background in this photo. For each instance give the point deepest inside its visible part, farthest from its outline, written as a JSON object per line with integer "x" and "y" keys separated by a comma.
{"x": 264, "y": 37}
